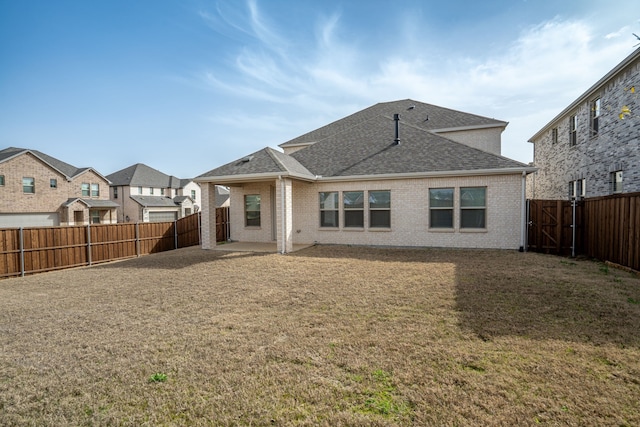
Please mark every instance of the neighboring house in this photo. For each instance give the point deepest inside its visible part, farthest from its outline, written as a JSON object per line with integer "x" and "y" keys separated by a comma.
{"x": 39, "y": 190}
{"x": 428, "y": 177}
{"x": 148, "y": 195}
{"x": 592, "y": 147}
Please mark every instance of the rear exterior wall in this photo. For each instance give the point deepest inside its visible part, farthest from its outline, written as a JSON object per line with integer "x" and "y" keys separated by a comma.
{"x": 409, "y": 214}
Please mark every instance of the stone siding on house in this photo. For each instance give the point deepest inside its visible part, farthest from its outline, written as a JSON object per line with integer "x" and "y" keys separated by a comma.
{"x": 616, "y": 146}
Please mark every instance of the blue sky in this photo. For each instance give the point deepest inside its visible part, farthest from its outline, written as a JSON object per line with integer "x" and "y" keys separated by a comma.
{"x": 186, "y": 86}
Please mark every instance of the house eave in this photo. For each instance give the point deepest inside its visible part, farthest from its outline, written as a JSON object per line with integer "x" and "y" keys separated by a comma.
{"x": 254, "y": 177}
{"x": 239, "y": 179}
{"x": 474, "y": 127}
{"x": 433, "y": 174}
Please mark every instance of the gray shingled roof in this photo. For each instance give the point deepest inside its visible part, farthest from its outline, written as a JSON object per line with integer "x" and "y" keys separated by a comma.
{"x": 154, "y": 201}
{"x": 419, "y": 114}
{"x": 92, "y": 203}
{"x": 368, "y": 149}
{"x": 143, "y": 175}
{"x": 363, "y": 145}
{"x": 66, "y": 169}
{"x": 264, "y": 161}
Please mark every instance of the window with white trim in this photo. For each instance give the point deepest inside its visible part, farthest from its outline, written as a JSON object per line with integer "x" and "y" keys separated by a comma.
{"x": 441, "y": 208}
{"x": 577, "y": 188}
{"x": 353, "y": 205}
{"x": 252, "y": 210}
{"x": 616, "y": 182}
{"x": 380, "y": 209}
{"x": 473, "y": 207}
{"x": 573, "y": 130}
{"x": 95, "y": 190}
{"x": 595, "y": 116}
{"x": 28, "y": 185}
{"x": 84, "y": 187}
{"x": 329, "y": 207}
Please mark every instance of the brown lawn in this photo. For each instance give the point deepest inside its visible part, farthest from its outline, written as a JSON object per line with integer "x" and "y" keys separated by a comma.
{"x": 326, "y": 336}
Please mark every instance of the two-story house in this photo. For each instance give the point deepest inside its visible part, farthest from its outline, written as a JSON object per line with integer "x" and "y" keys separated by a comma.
{"x": 39, "y": 190}
{"x": 592, "y": 147}
{"x": 148, "y": 195}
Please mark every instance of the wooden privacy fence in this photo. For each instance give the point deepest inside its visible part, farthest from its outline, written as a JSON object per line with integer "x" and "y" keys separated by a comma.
{"x": 606, "y": 228}
{"x": 33, "y": 250}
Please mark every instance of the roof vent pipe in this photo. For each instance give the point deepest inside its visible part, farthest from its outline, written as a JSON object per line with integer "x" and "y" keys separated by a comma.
{"x": 396, "y": 118}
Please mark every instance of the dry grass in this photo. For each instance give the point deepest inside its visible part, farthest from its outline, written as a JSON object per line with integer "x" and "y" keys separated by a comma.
{"x": 326, "y": 336}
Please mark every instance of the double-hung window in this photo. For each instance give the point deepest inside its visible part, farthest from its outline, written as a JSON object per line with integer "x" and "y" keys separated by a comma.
{"x": 577, "y": 188}
{"x": 252, "y": 210}
{"x": 53, "y": 183}
{"x": 595, "y": 117}
{"x": 28, "y": 185}
{"x": 95, "y": 190}
{"x": 554, "y": 135}
{"x": 193, "y": 195}
{"x": 616, "y": 182}
{"x": 473, "y": 207}
{"x": 441, "y": 208}
{"x": 115, "y": 192}
{"x": 573, "y": 129}
{"x": 380, "y": 209}
{"x": 1, "y": 180}
{"x": 353, "y": 203}
{"x": 85, "y": 189}
{"x": 329, "y": 206}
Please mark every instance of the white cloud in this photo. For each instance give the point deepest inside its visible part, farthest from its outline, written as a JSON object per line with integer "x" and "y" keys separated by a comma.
{"x": 525, "y": 82}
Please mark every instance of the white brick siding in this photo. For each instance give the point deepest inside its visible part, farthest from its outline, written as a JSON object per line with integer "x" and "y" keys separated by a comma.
{"x": 409, "y": 213}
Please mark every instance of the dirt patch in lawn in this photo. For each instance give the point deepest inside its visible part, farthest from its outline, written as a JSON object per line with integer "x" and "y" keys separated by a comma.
{"x": 329, "y": 335}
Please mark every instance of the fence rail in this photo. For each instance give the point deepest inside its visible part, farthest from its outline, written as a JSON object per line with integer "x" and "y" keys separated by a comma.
{"x": 34, "y": 250}
{"x": 606, "y": 228}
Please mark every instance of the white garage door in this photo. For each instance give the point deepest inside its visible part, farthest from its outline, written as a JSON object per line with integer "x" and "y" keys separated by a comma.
{"x": 162, "y": 216}
{"x": 8, "y": 220}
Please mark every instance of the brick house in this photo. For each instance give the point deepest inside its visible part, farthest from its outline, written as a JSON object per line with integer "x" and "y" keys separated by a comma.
{"x": 148, "y": 195}
{"x": 39, "y": 190}
{"x": 592, "y": 147}
{"x": 400, "y": 173}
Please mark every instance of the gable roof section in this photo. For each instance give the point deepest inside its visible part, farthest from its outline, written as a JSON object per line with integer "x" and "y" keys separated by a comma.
{"x": 69, "y": 171}
{"x": 143, "y": 175}
{"x": 424, "y": 116}
{"x": 266, "y": 163}
{"x": 368, "y": 149}
{"x": 92, "y": 203}
{"x": 634, "y": 56}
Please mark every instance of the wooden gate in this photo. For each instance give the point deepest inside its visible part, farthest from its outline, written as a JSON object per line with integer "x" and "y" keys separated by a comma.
{"x": 550, "y": 226}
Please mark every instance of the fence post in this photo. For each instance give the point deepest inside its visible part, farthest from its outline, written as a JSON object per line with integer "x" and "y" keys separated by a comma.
{"x": 89, "y": 243}
{"x": 21, "y": 252}
{"x": 175, "y": 234}
{"x": 137, "y": 240}
{"x": 199, "y": 229}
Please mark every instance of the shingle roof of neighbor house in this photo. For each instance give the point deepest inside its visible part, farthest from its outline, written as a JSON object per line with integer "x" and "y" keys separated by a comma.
{"x": 66, "y": 169}
{"x": 143, "y": 175}
{"x": 155, "y": 201}
{"x": 362, "y": 144}
{"x": 92, "y": 203}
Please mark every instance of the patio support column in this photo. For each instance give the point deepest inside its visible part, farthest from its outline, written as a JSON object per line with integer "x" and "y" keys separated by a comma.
{"x": 284, "y": 208}
{"x": 208, "y": 219}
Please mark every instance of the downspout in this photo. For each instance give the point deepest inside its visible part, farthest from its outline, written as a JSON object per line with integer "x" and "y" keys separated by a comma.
{"x": 523, "y": 213}
{"x": 282, "y": 217}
